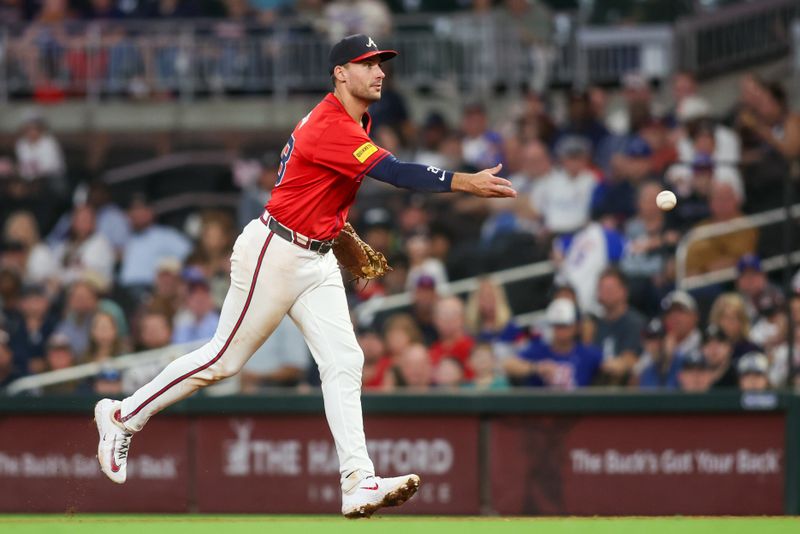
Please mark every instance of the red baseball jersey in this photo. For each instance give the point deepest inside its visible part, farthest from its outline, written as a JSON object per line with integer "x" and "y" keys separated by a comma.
{"x": 321, "y": 169}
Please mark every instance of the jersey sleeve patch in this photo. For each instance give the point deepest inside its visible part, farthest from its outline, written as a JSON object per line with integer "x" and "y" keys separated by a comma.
{"x": 363, "y": 152}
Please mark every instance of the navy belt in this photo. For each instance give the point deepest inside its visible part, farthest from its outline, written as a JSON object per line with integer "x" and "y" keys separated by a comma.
{"x": 298, "y": 239}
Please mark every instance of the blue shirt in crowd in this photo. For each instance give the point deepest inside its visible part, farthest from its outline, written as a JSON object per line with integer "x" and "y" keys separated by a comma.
{"x": 145, "y": 250}
{"x": 576, "y": 368}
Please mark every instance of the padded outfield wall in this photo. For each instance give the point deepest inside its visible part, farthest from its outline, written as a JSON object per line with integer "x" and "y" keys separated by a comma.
{"x": 510, "y": 454}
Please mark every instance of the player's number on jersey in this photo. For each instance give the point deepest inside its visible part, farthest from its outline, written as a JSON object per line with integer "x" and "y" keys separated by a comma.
{"x": 286, "y": 155}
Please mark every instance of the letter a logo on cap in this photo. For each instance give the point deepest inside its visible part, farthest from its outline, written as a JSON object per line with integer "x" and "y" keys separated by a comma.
{"x": 371, "y": 43}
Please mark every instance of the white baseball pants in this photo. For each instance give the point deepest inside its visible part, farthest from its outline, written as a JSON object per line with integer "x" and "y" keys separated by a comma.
{"x": 271, "y": 277}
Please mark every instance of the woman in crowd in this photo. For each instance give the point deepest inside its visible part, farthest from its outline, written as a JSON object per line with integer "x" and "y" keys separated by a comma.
{"x": 213, "y": 252}
{"x": 729, "y": 314}
{"x": 105, "y": 341}
{"x": 38, "y": 262}
{"x": 489, "y": 318}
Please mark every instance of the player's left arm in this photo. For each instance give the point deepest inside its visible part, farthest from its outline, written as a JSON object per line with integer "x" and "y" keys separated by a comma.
{"x": 432, "y": 179}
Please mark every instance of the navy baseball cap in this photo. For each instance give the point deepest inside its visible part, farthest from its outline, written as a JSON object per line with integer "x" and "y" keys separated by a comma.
{"x": 748, "y": 262}
{"x": 703, "y": 162}
{"x": 355, "y": 48}
{"x": 638, "y": 148}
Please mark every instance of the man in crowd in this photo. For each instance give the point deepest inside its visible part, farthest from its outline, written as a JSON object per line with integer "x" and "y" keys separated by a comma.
{"x": 563, "y": 363}
{"x": 618, "y": 329}
{"x": 148, "y": 244}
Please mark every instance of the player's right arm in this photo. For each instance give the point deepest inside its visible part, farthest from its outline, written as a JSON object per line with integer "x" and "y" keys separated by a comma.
{"x": 431, "y": 179}
{"x": 485, "y": 183}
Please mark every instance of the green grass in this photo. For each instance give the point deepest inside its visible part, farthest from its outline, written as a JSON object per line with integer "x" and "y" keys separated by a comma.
{"x": 207, "y": 524}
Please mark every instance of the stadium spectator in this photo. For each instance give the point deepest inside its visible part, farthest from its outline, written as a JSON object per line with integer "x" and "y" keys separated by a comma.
{"x": 282, "y": 361}
{"x": 148, "y": 245}
{"x": 780, "y": 365}
{"x": 694, "y": 376}
{"x": 759, "y": 294}
{"x": 563, "y": 363}
{"x": 638, "y": 98}
{"x": 647, "y": 248}
{"x": 413, "y": 371}
{"x": 400, "y": 331}
{"x": 39, "y": 266}
{"x": 112, "y": 221}
{"x": 482, "y": 147}
{"x": 582, "y": 122}
{"x": 105, "y": 341}
{"x": 488, "y": 374}
{"x": 718, "y": 353}
{"x": 377, "y": 361}
{"x": 348, "y": 17}
{"x": 722, "y": 251}
{"x": 753, "y": 372}
{"x": 618, "y": 329}
{"x": 59, "y": 356}
{"x": 212, "y": 254}
{"x": 773, "y": 135}
{"x": 103, "y": 10}
{"x": 425, "y": 297}
{"x": 582, "y": 257}
{"x": 82, "y": 304}
{"x": 453, "y": 340}
{"x": 432, "y": 133}
{"x": 692, "y": 185}
{"x": 39, "y": 156}
{"x": 256, "y": 187}
{"x": 657, "y": 367}
{"x": 197, "y": 319}
{"x": 168, "y": 291}
{"x": 8, "y": 371}
{"x": 684, "y": 85}
{"x": 700, "y": 134}
{"x": 10, "y": 296}
{"x": 28, "y": 340}
{"x": 615, "y": 198}
{"x": 530, "y": 23}
{"x": 449, "y": 374}
{"x": 85, "y": 251}
{"x": 422, "y": 264}
{"x": 680, "y": 324}
{"x": 728, "y": 313}
{"x": 536, "y": 167}
{"x": 564, "y": 198}
{"x": 489, "y": 320}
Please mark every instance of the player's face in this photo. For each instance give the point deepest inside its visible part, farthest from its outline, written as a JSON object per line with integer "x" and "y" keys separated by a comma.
{"x": 365, "y": 79}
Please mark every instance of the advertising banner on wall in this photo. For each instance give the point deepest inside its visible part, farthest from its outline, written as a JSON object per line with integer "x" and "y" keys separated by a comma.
{"x": 288, "y": 464}
{"x": 640, "y": 465}
{"x": 49, "y": 464}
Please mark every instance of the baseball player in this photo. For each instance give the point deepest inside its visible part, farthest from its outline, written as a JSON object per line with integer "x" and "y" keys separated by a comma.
{"x": 282, "y": 264}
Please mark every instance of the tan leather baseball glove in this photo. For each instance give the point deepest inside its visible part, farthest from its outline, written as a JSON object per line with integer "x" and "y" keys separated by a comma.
{"x": 360, "y": 259}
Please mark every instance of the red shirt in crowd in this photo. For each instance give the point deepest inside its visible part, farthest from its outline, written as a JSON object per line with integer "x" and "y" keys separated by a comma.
{"x": 459, "y": 349}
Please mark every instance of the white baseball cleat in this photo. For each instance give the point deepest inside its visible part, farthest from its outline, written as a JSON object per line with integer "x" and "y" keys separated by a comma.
{"x": 112, "y": 451}
{"x": 372, "y": 493}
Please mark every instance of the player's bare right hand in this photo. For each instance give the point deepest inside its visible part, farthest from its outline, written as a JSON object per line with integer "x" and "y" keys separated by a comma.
{"x": 484, "y": 184}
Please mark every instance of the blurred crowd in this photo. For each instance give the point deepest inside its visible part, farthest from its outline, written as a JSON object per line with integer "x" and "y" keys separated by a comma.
{"x": 86, "y": 279}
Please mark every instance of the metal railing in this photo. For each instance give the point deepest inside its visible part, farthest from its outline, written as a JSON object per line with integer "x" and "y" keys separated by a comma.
{"x": 723, "y": 228}
{"x": 464, "y": 53}
{"x": 153, "y": 357}
{"x": 736, "y": 35}
{"x": 606, "y": 54}
{"x": 366, "y": 312}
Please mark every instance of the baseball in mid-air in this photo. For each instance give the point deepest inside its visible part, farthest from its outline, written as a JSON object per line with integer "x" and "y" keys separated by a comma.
{"x": 666, "y": 200}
